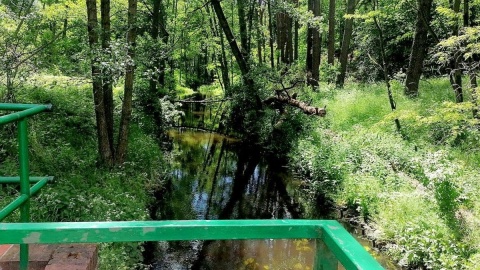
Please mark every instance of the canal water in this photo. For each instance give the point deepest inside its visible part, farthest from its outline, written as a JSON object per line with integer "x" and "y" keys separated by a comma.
{"x": 218, "y": 177}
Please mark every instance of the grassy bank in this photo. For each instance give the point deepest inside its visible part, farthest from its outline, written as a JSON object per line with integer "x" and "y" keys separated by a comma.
{"x": 417, "y": 190}
{"x": 63, "y": 144}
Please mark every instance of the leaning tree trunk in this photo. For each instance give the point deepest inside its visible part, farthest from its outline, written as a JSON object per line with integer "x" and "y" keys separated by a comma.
{"x": 128, "y": 90}
{"x": 104, "y": 149}
{"x": 222, "y": 56}
{"x": 347, "y": 36}
{"x": 419, "y": 47}
{"x": 242, "y": 63}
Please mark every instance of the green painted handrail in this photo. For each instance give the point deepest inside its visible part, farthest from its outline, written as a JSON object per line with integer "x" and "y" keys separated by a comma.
{"x": 16, "y": 179}
{"x": 21, "y": 107}
{"x": 345, "y": 248}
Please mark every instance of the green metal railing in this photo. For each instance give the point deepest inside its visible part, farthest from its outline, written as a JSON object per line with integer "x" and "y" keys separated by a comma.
{"x": 23, "y": 201}
{"x": 334, "y": 243}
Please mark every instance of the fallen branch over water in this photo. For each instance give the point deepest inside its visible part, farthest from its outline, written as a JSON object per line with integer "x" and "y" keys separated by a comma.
{"x": 306, "y": 108}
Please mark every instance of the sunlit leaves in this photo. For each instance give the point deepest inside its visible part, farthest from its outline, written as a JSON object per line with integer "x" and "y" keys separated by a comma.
{"x": 463, "y": 46}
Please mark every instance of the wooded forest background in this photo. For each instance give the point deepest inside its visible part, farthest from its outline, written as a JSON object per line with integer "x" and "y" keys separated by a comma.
{"x": 397, "y": 143}
{"x": 158, "y": 44}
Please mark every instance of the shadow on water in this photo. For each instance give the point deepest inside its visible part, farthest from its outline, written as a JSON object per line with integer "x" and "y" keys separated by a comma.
{"x": 216, "y": 177}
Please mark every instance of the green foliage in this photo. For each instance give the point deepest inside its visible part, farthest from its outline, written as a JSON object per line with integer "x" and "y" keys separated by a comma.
{"x": 418, "y": 194}
{"x": 63, "y": 144}
{"x": 430, "y": 246}
{"x": 447, "y": 123}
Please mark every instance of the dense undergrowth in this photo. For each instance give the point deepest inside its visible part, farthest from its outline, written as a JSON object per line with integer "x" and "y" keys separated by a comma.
{"x": 63, "y": 144}
{"x": 418, "y": 190}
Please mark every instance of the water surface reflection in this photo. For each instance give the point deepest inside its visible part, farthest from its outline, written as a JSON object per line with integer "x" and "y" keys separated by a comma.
{"x": 216, "y": 177}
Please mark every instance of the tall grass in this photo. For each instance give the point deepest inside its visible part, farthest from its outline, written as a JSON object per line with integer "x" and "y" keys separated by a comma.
{"x": 418, "y": 190}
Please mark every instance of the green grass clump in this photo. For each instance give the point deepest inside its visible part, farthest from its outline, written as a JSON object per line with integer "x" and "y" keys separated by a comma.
{"x": 362, "y": 105}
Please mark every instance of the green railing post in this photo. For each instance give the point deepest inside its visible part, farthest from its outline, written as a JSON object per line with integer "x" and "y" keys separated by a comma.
{"x": 24, "y": 185}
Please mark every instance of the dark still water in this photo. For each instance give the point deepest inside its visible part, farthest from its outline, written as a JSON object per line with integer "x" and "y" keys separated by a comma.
{"x": 216, "y": 177}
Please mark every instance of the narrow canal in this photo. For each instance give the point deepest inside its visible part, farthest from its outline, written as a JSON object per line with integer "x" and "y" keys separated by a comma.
{"x": 218, "y": 177}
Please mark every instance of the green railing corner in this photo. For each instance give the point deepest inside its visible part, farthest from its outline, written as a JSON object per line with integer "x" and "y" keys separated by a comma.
{"x": 337, "y": 240}
{"x": 23, "y": 111}
{"x": 334, "y": 243}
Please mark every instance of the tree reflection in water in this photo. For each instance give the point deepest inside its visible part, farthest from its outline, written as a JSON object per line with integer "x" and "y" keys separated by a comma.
{"x": 216, "y": 177}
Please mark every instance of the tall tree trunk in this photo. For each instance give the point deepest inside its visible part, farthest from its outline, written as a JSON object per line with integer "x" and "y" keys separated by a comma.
{"x": 331, "y": 32}
{"x": 104, "y": 149}
{"x": 242, "y": 23}
{"x": 165, "y": 37}
{"x": 313, "y": 47}
{"x": 347, "y": 36}
{"x": 258, "y": 33}
{"x": 151, "y": 103}
{"x": 456, "y": 73}
{"x": 154, "y": 34}
{"x": 317, "y": 46}
{"x": 466, "y": 13}
{"x": 469, "y": 20}
{"x": 296, "y": 38}
{"x": 419, "y": 47}
{"x": 106, "y": 75}
{"x": 285, "y": 37}
{"x": 250, "y": 16}
{"x": 281, "y": 35}
{"x": 128, "y": 90}
{"x": 309, "y": 58}
{"x": 272, "y": 37}
{"x": 289, "y": 40}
